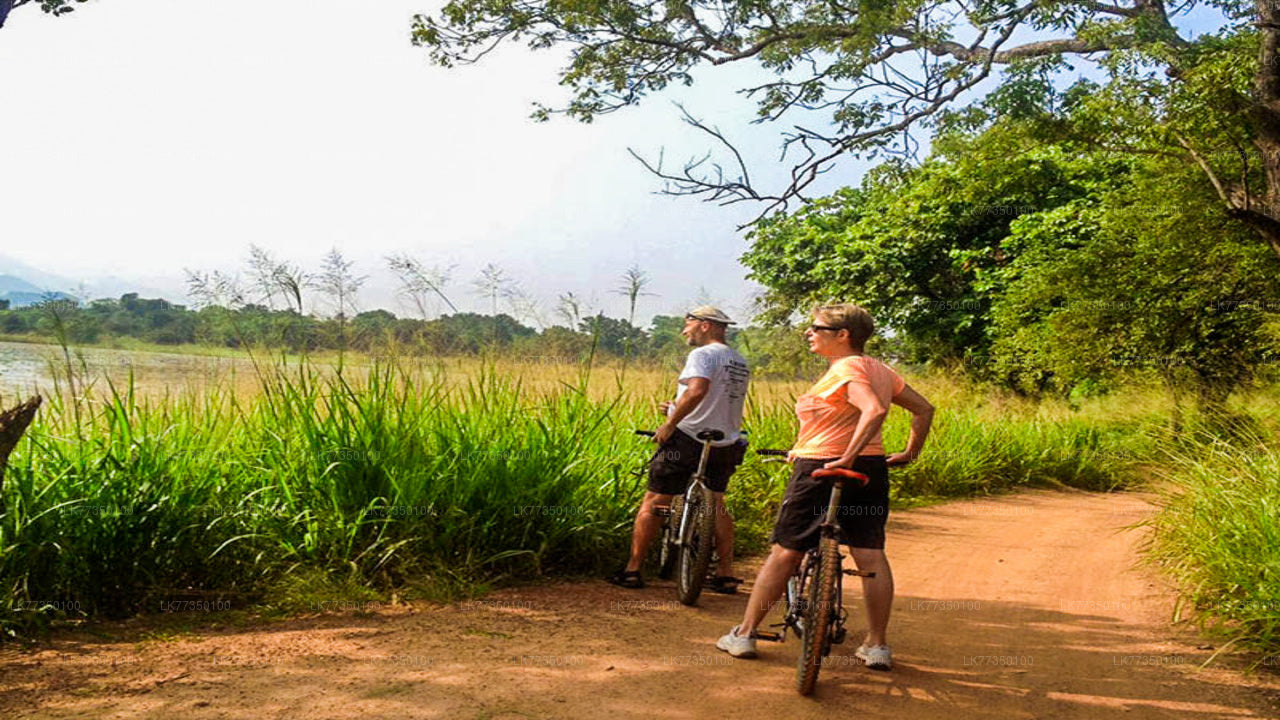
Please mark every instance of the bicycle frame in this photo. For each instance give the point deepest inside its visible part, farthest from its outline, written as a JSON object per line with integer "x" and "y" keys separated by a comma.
{"x": 797, "y": 583}
{"x": 696, "y": 487}
{"x": 697, "y": 517}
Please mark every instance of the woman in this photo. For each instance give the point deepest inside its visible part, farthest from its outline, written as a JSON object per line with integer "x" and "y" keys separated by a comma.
{"x": 840, "y": 420}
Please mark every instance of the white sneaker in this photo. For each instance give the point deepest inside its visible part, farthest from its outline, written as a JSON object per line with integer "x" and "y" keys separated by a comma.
{"x": 877, "y": 657}
{"x": 737, "y": 645}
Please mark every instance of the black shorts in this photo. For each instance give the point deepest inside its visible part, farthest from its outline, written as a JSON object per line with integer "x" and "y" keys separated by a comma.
{"x": 862, "y": 515}
{"x": 676, "y": 460}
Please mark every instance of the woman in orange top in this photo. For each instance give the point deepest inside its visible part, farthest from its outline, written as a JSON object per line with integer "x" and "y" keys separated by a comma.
{"x": 840, "y": 420}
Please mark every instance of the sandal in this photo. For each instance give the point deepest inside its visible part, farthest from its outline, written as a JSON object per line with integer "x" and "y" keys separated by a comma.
{"x": 626, "y": 578}
{"x": 725, "y": 584}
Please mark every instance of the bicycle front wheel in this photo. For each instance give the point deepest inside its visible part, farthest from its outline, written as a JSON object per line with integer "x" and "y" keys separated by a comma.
{"x": 820, "y": 608}
{"x": 695, "y": 551}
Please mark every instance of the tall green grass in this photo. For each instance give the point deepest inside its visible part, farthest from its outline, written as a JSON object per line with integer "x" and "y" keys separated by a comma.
{"x": 1218, "y": 534}
{"x": 402, "y": 478}
{"x": 968, "y": 454}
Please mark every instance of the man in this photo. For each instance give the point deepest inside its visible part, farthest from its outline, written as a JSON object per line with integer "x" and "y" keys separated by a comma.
{"x": 710, "y": 394}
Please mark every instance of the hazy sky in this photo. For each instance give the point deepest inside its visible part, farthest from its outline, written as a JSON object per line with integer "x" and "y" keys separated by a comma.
{"x": 142, "y": 137}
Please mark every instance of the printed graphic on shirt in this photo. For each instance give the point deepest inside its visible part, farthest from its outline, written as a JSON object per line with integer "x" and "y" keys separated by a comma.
{"x": 721, "y": 409}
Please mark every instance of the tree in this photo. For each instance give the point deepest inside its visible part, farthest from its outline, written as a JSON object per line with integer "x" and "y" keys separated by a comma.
{"x": 633, "y": 284}
{"x": 612, "y": 336}
{"x": 1046, "y": 267}
{"x": 569, "y": 307}
{"x": 53, "y": 7}
{"x": 419, "y": 283}
{"x": 338, "y": 280}
{"x": 493, "y": 283}
{"x": 859, "y": 78}
{"x": 1125, "y": 285}
{"x": 290, "y": 280}
{"x": 262, "y": 273}
{"x": 921, "y": 247}
{"x": 214, "y": 289}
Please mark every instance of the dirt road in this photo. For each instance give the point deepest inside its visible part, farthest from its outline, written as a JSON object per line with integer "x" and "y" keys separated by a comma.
{"x": 1024, "y": 606}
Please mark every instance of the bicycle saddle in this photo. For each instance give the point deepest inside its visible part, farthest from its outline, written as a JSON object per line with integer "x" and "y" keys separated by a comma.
{"x": 842, "y": 474}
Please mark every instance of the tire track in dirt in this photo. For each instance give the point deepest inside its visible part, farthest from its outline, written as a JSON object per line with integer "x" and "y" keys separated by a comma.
{"x": 1023, "y": 606}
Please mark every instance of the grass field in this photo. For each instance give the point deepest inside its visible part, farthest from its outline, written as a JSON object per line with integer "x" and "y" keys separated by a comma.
{"x": 435, "y": 479}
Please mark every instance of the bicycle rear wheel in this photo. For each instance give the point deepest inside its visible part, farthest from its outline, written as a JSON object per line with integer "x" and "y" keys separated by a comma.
{"x": 820, "y": 608}
{"x": 669, "y": 546}
{"x": 695, "y": 551}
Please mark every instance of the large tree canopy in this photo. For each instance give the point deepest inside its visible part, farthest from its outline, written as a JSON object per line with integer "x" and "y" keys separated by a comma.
{"x": 1036, "y": 265}
{"x": 857, "y": 77}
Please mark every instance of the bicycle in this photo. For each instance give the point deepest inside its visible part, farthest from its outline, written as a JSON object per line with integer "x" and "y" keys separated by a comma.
{"x": 686, "y": 546}
{"x": 815, "y": 592}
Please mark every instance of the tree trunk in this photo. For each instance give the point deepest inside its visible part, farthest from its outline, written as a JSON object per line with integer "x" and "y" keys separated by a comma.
{"x": 13, "y": 423}
{"x": 1264, "y": 216}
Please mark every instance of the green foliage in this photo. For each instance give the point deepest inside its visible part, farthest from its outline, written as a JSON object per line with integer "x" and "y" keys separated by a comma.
{"x": 779, "y": 351}
{"x": 1218, "y": 534}
{"x": 394, "y": 478}
{"x": 1044, "y": 267}
{"x": 376, "y": 332}
{"x": 616, "y": 337}
{"x": 858, "y": 78}
{"x": 1127, "y": 280}
{"x": 923, "y": 249}
{"x": 317, "y": 483}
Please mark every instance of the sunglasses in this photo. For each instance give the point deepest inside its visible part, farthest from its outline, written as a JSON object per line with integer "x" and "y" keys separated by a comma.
{"x": 816, "y": 328}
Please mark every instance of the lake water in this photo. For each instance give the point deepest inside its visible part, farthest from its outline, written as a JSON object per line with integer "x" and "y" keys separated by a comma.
{"x": 26, "y": 368}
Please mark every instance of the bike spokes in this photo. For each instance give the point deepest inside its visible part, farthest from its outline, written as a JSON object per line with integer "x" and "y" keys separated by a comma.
{"x": 695, "y": 549}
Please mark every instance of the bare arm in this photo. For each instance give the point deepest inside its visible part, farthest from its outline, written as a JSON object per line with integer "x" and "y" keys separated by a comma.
{"x": 921, "y": 419}
{"x": 696, "y": 389}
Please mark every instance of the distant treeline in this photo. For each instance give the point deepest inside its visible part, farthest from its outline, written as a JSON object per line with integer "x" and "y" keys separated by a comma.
{"x": 376, "y": 332}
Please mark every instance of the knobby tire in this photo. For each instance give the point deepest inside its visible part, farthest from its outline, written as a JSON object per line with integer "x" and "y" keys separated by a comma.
{"x": 819, "y": 610}
{"x": 695, "y": 555}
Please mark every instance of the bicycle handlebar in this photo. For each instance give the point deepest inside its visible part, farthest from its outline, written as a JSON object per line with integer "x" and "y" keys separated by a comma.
{"x": 772, "y": 453}
{"x": 646, "y": 433}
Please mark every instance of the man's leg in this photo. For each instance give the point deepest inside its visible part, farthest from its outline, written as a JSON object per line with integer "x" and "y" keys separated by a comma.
{"x": 877, "y": 592}
{"x": 724, "y": 536}
{"x": 648, "y": 525}
{"x": 769, "y": 585}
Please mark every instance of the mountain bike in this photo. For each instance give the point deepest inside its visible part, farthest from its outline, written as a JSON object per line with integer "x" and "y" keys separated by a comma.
{"x": 689, "y": 528}
{"x": 814, "y": 595}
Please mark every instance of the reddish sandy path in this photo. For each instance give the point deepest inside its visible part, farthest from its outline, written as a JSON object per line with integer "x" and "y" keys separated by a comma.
{"x": 1025, "y": 606}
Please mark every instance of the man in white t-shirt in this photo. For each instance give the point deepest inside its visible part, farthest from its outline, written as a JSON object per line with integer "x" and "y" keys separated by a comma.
{"x": 711, "y": 391}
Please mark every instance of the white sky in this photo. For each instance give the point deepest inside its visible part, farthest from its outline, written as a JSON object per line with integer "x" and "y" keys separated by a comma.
{"x": 142, "y": 137}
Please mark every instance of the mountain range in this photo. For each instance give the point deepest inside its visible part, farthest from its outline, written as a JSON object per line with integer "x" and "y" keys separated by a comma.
{"x": 22, "y": 284}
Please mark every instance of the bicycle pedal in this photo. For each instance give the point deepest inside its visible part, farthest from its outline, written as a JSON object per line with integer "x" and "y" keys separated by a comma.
{"x": 765, "y": 635}
{"x": 859, "y": 573}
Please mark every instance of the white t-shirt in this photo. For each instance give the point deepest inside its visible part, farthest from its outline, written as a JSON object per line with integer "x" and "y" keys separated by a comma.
{"x": 721, "y": 409}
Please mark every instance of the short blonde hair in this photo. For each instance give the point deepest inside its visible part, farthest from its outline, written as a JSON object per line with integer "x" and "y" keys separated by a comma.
{"x": 847, "y": 316}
